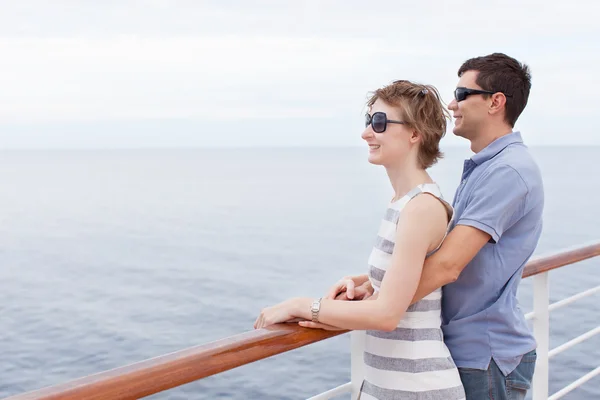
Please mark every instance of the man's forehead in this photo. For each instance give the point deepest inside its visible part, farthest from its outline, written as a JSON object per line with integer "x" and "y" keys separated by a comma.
{"x": 469, "y": 77}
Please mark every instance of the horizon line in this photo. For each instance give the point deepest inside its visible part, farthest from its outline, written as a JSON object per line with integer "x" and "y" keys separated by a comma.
{"x": 251, "y": 147}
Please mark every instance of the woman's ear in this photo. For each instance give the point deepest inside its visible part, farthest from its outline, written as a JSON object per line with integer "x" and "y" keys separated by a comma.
{"x": 414, "y": 137}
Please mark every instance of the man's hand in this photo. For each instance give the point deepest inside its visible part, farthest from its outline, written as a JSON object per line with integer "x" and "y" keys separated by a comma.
{"x": 351, "y": 288}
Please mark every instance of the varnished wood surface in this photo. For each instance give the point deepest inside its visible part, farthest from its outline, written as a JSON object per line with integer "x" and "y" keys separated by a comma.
{"x": 175, "y": 369}
{"x": 547, "y": 263}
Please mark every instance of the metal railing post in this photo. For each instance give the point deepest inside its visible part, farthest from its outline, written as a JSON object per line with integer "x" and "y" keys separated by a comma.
{"x": 541, "y": 329}
{"x": 357, "y": 343}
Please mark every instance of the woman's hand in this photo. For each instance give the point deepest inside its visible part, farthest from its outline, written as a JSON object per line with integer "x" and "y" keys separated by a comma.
{"x": 318, "y": 325}
{"x": 351, "y": 288}
{"x": 276, "y": 314}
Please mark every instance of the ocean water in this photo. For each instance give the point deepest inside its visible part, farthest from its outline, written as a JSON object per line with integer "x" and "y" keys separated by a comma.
{"x": 112, "y": 257}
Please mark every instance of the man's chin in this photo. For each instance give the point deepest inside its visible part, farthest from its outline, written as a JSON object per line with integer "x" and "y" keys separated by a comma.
{"x": 458, "y": 132}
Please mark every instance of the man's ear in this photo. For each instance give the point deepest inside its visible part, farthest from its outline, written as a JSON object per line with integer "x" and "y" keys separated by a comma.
{"x": 498, "y": 103}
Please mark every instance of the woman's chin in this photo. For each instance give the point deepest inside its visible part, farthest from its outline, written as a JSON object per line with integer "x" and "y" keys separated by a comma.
{"x": 374, "y": 159}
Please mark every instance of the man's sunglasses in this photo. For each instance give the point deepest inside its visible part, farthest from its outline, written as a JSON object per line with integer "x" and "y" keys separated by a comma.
{"x": 379, "y": 121}
{"x": 461, "y": 93}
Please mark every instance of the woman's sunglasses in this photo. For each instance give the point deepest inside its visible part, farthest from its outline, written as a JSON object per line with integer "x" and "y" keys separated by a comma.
{"x": 461, "y": 93}
{"x": 379, "y": 121}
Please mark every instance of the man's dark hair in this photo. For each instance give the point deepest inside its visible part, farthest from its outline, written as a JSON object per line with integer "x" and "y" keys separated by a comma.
{"x": 498, "y": 72}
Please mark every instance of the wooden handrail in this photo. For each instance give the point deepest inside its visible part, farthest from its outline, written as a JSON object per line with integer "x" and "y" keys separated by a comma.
{"x": 547, "y": 263}
{"x": 171, "y": 370}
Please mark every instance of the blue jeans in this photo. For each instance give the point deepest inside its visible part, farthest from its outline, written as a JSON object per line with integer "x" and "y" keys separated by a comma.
{"x": 491, "y": 384}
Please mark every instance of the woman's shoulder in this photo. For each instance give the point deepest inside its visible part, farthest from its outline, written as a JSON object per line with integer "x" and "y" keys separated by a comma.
{"x": 434, "y": 190}
{"x": 422, "y": 223}
{"x": 426, "y": 203}
{"x": 427, "y": 210}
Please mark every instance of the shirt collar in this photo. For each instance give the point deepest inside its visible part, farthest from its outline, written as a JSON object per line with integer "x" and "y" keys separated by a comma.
{"x": 496, "y": 147}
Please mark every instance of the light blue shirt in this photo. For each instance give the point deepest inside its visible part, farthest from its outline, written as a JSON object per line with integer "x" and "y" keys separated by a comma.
{"x": 501, "y": 193}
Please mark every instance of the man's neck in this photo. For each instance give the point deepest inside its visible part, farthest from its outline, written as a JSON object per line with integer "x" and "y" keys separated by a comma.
{"x": 484, "y": 140}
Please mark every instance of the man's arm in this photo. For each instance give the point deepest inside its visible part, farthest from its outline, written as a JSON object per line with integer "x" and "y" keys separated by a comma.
{"x": 444, "y": 266}
{"x": 495, "y": 204}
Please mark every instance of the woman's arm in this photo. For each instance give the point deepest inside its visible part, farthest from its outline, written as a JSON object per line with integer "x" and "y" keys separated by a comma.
{"x": 420, "y": 228}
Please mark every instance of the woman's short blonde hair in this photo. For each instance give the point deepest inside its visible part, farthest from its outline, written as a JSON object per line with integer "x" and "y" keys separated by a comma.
{"x": 422, "y": 109}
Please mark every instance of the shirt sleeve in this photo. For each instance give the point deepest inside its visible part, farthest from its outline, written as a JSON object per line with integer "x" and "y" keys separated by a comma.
{"x": 496, "y": 202}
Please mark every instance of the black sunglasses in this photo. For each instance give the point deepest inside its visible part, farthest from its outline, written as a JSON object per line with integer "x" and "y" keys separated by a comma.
{"x": 461, "y": 93}
{"x": 379, "y": 121}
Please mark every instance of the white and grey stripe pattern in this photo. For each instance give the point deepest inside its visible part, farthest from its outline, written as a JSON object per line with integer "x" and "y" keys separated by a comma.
{"x": 411, "y": 362}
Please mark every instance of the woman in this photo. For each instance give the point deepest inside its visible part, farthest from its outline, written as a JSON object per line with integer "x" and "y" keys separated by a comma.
{"x": 405, "y": 356}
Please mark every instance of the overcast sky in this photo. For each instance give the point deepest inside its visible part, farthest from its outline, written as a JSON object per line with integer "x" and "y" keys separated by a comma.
{"x": 87, "y": 74}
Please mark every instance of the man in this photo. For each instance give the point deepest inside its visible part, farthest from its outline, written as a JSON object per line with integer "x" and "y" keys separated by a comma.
{"x": 495, "y": 229}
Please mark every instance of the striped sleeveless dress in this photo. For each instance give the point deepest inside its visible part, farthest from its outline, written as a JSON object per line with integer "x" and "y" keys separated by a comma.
{"x": 411, "y": 362}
